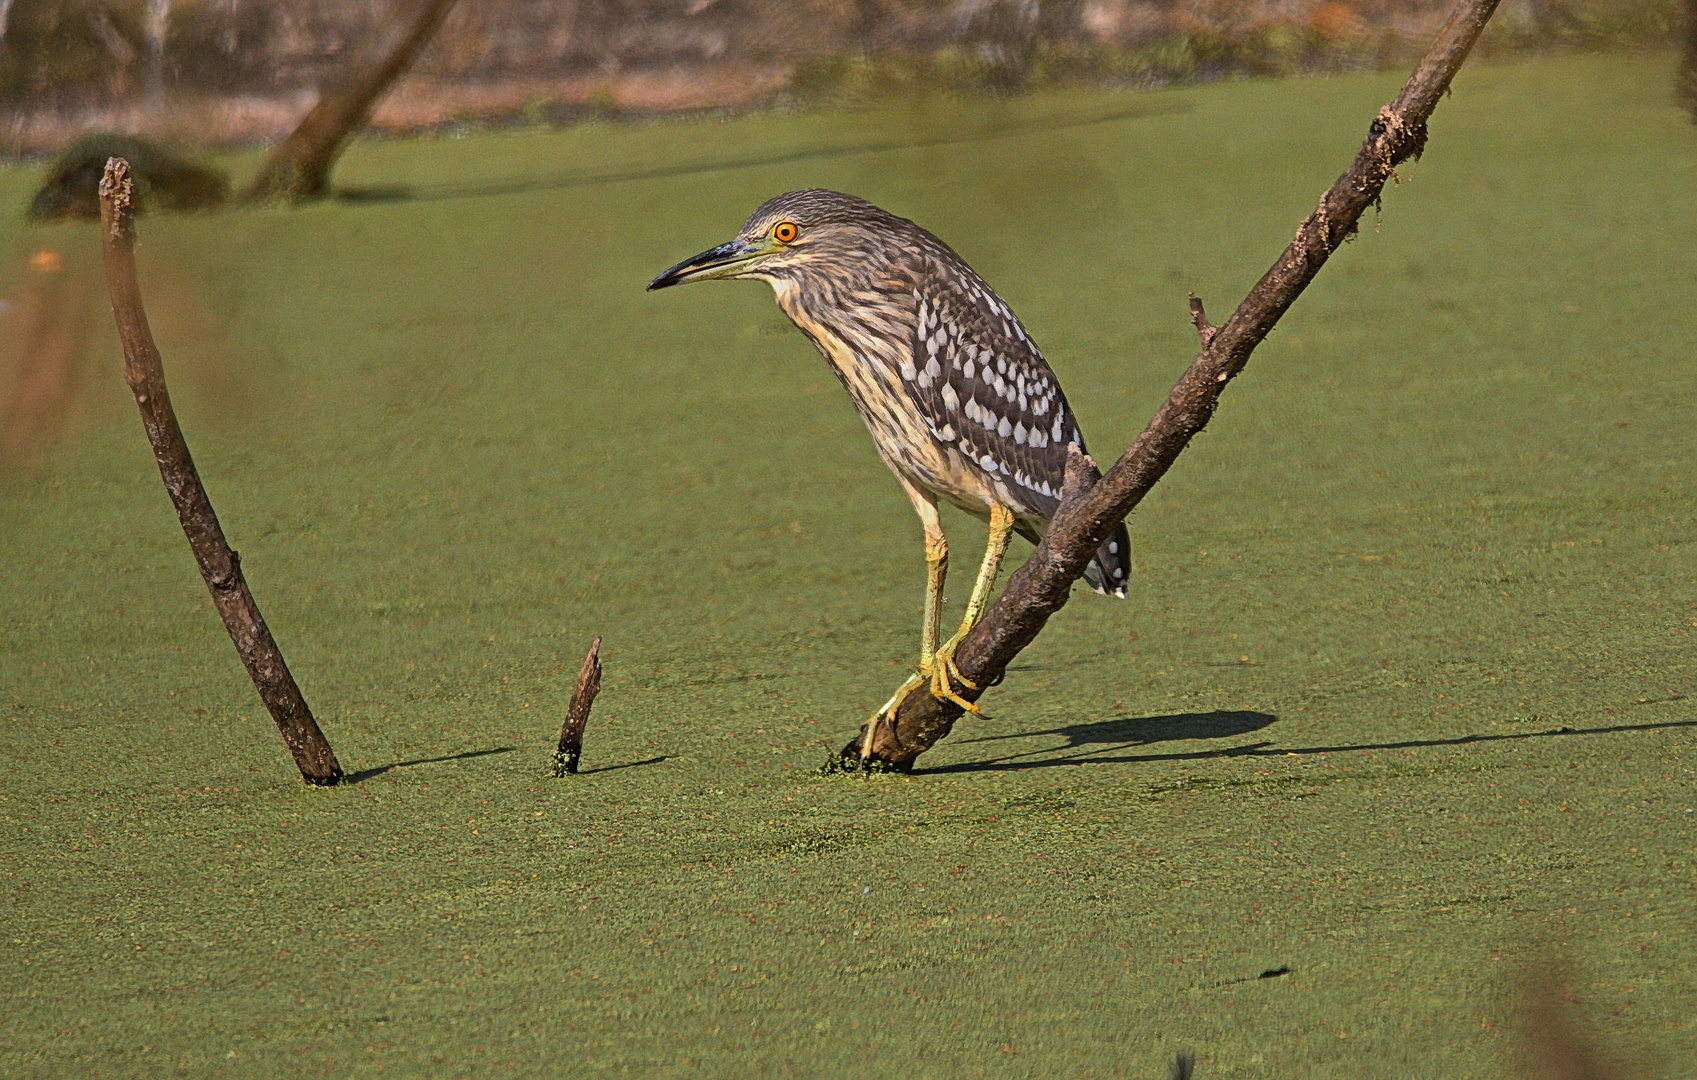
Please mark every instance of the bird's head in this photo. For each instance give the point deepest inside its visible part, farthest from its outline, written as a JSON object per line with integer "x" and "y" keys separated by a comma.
{"x": 793, "y": 237}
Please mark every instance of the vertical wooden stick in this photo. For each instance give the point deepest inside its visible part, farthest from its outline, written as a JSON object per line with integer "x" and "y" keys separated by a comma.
{"x": 577, "y": 713}
{"x": 220, "y": 566}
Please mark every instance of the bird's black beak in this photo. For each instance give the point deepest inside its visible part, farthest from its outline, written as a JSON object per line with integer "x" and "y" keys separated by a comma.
{"x": 726, "y": 260}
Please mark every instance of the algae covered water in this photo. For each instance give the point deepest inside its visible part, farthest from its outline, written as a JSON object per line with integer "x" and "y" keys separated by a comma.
{"x": 1401, "y": 699}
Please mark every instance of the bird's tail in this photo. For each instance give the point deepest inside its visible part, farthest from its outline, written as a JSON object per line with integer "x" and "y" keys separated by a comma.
{"x": 1109, "y": 571}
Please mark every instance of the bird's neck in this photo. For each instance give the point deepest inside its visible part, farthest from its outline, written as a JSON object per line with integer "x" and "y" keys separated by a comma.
{"x": 870, "y": 325}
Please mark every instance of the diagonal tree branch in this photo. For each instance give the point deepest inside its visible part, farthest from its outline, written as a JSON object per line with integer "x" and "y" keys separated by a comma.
{"x": 1089, "y": 512}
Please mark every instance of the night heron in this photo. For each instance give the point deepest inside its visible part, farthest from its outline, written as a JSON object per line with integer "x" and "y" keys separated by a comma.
{"x": 959, "y": 400}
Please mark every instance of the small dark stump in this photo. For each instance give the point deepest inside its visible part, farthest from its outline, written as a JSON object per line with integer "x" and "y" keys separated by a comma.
{"x": 162, "y": 179}
{"x": 577, "y": 713}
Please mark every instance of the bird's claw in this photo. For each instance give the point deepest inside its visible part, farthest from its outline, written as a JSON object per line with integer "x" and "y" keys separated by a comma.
{"x": 887, "y": 716}
{"x": 945, "y": 673}
{"x": 942, "y": 673}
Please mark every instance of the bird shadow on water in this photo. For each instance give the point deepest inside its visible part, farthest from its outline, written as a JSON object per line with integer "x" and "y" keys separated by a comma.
{"x": 1090, "y": 742}
{"x": 1085, "y": 742}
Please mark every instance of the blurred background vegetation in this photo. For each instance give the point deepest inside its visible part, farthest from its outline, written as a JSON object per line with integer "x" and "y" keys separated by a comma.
{"x": 234, "y": 71}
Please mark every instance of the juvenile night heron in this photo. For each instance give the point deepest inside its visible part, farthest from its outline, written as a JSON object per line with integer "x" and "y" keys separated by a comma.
{"x": 959, "y": 400}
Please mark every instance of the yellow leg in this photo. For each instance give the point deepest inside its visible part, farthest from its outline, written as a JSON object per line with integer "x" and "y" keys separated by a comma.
{"x": 936, "y": 662}
{"x": 943, "y": 668}
{"x": 936, "y": 570}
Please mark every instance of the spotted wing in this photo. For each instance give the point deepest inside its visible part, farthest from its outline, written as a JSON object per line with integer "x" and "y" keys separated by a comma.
{"x": 984, "y": 388}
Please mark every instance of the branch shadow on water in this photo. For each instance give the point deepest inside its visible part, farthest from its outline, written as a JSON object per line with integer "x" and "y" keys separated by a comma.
{"x": 624, "y": 765}
{"x": 1106, "y": 736}
{"x": 366, "y": 774}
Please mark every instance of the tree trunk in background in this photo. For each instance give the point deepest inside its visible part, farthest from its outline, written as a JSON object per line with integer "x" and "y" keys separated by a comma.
{"x": 299, "y": 169}
{"x": 1685, "y": 83}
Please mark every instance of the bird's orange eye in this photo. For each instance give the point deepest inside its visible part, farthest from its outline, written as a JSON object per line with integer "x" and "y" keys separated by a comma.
{"x": 785, "y": 232}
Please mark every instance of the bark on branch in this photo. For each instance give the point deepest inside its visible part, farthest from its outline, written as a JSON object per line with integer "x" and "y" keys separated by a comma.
{"x": 299, "y": 168}
{"x": 1089, "y": 512}
{"x": 220, "y": 566}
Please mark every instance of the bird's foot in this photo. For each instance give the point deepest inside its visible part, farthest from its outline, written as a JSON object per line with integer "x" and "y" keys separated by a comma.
{"x": 939, "y": 674}
{"x": 886, "y": 715}
{"x": 944, "y": 674}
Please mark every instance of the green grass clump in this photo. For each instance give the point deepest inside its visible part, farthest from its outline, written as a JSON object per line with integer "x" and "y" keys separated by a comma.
{"x": 1402, "y": 695}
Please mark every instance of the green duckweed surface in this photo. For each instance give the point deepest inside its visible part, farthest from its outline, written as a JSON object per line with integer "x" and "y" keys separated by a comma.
{"x": 1402, "y": 699}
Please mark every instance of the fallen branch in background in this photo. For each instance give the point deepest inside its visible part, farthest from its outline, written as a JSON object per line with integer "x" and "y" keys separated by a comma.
{"x": 577, "y": 713}
{"x": 1088, "y": 512}
{"x": 220, "y": 566}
